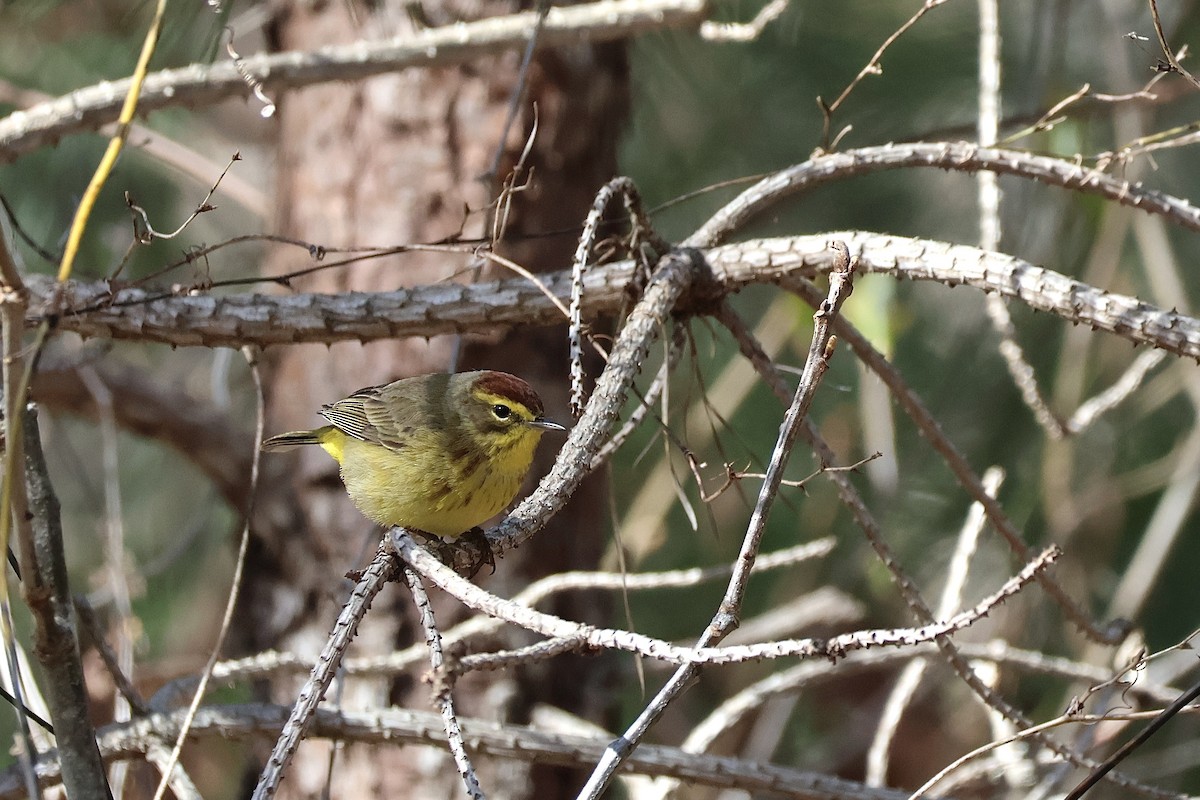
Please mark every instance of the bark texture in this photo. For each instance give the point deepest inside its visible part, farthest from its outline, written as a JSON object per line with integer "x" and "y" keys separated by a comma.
{"x": 395, "y": 160}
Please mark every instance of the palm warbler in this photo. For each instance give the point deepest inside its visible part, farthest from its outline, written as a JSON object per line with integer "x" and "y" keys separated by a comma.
{"x": 435, "y": 453}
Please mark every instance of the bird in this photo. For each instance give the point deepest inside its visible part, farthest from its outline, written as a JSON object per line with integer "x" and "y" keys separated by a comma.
{"x": 439, "y": 453}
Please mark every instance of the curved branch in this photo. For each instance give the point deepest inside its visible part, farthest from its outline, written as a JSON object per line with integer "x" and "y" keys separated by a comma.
{"x": 90, "y": 108}
{"x": 958, "y": 156}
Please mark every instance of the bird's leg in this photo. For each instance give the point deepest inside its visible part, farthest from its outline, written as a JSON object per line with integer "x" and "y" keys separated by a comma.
{"x": 477, "y": 541}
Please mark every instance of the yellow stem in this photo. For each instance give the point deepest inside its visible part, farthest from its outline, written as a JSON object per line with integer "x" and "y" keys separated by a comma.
{"x": 104, "y": 169}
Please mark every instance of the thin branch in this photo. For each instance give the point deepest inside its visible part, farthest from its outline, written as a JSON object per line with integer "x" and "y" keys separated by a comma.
{"x": 1172, "y": 63}
{"x": 48, "y": 595}
{"x": 988, "y": 183}
{"x": 1110, "y": 763}
{"x": 443, "y": 685}
{"x": 743, "y": 31}
{"x": 957, "y": 462}
{"x": 14, "y": 505}
{"x": 957, "y": 156}
{"x": 1037, "y": 732}
{"x": 727, "y": 616}
{"x": 871, "y": 68}
{"x": 416, "y": 556}
{"x": 236, "y": 581}
{"x": 381, "y": 570}
{"x": 1120, "y": 390}
{"x": 461, "y": 42}
{"x": 92, "y": 636}
{"x": 640, "y": 230}
{"x": 392, "y": 726}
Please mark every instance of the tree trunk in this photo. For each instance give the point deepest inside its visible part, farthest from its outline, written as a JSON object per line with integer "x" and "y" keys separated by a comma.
{"x": 394, "y": 160}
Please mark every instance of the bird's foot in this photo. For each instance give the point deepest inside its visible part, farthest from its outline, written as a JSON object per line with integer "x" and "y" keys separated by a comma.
{"x": 477, "y": 542}
{"x": 467, "y": 554}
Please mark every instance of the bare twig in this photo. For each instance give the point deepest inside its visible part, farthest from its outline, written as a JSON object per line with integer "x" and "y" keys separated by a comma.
{"x": 957, "y": 462}
{"x": 44, "y": 574}
{"x": 92, "y": 635}
{"x": 144, "y": 233}
{"x": 1121, "y": 389}
{"x": 1037, "y": 732}
{"x": 403, "y": 545}
{"x": 1110, "y": 763}
{"x": 640, "y": 230}
{"x": 389, "y": 726}
{"x": 252, "y": 82}
{"x": 14, "y": 508}
{"x": 871, "y": 68}
{"x": 381, "y": 570}
{"x": 1172, "y": 63}
{"x": 989, "y": 219}
{"x": 443, "y": 685}
{"x": 743, "y": 31}
{"x": 235, "y": 589}
{"x": 457, "y": 43}
{"x": 959, "y": 156}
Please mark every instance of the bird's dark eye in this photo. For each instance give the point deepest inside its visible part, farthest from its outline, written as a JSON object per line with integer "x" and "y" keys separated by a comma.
{"x": 501, "y": 411}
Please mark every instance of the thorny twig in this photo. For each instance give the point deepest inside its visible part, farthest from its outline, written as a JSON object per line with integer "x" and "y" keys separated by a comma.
{"x": 403, "y": 545}
{"x": 442, "y": 680}
{"x": 853, "y": 501}
{"x": 726, "y": 618}
{"x": 381, "y": 570}
{"x": 640, "y": 232}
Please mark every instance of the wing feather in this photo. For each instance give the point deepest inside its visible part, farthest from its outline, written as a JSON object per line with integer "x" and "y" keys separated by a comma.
{"x": 376, "y": 415}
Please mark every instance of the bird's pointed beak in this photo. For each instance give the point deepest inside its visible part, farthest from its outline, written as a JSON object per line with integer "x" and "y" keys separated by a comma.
{"x": 546, "y": 425}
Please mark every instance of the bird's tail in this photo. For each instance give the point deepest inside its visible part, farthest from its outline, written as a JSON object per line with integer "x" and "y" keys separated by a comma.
{"x": 292, "y": 439}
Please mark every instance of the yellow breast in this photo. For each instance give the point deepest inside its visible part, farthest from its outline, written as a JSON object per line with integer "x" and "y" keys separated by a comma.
{"x": 422, "y": 487}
